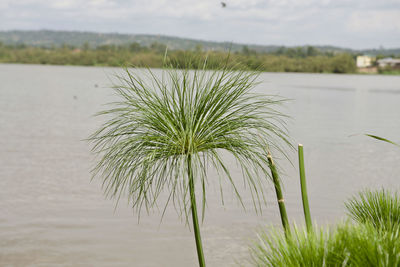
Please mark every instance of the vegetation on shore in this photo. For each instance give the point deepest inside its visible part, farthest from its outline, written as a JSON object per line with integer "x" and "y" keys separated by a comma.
{"x": 51, "y": 38}
{"x": 389, "y": 71}
{"x": 307, "y": 59}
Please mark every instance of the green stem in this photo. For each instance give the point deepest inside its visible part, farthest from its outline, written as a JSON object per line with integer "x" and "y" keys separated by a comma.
{"x": 279, "y": 196}
{"x": 196, "y": 227}
{"x": 304, "y": 195}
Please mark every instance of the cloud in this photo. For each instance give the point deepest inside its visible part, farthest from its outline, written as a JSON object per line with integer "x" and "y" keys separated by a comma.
{"x": 375, "y": 20}
{"x": 287, "y": 22}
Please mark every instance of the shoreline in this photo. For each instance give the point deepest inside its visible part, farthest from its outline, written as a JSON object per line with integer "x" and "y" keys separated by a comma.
{"x": 143, "y": 67}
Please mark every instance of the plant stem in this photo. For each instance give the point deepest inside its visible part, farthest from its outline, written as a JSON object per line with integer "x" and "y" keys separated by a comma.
{"x": 279, "y": 196}
{"x": 304, "y": 195}
{"x": 196, "y": 227}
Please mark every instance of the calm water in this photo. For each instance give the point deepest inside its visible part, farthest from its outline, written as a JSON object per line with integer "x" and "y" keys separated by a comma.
{"x": 52, "y": 215}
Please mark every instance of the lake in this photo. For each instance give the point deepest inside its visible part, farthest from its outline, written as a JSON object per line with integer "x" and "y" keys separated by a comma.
{"x": 52, "y": 214}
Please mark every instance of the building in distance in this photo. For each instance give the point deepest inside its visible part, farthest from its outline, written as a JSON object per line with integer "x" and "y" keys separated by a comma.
{"x": 389, "y": 62}
{"x": 364, "y": 61}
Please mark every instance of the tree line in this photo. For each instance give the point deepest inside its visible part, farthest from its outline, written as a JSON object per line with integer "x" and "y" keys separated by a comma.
{"x": 301, "y": 59}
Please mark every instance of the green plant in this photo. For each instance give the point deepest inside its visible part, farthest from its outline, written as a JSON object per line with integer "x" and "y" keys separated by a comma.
{"x": 166, "y": 130}
{"x": 279, "y": 195}
{"x": 344, "y": 245}
{"x": 303, "y": 184}
{"x": 301, "y": 248}
{"x": 284, "y": 59}
{"x": 382, "y": 139}
{"x": 367, "y": 246}
{"x": 379, "y": 208}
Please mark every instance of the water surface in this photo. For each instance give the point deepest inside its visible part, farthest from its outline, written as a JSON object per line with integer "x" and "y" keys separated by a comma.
{"x": 52, "y": 215}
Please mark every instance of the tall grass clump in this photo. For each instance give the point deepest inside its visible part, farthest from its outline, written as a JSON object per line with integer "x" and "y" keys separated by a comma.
{"x": 301, "y": 248}
{"x": 370, "y": 247}
{"x": 344, "y": 245}
{"x": 379, "y": 208}
{"x": 166, "y": 130}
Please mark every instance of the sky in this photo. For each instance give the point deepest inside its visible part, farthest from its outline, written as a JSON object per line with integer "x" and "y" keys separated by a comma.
{"x": 355, "y": 24}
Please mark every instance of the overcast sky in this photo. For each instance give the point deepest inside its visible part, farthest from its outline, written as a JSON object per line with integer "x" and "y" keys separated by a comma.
{"x": 346, "y": 23}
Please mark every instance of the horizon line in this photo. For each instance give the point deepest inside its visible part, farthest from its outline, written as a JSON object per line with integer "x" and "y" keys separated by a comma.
{"x": 201, "y": 40}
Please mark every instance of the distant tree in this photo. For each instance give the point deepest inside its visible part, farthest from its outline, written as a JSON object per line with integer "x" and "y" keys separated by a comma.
{"x": 198, "y": 48}
{"x": 103, "y": 48}
{"x": 247, "y": 51}
{"x": 20, "y": 46}
{"x": 158, "y": 47}
{"x": 343, "y": 63}
{"x": 135, "y": 47}
{"x": 66, "y": 47}
{"x": 86, "y": 46}
{"x": 295, "y": 52}
{"x": 311, "y": 51}
{"x": 281, "y": 50}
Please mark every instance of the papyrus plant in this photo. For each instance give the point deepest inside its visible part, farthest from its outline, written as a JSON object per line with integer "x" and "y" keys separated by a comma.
{"x": 167, "y": 129}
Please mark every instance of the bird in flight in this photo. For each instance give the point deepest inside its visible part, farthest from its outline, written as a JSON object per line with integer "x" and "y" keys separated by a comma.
{"x": 223, "y": 4}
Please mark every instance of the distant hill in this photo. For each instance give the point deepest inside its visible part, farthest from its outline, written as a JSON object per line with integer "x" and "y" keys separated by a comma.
{"x": 47, "y": 38}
